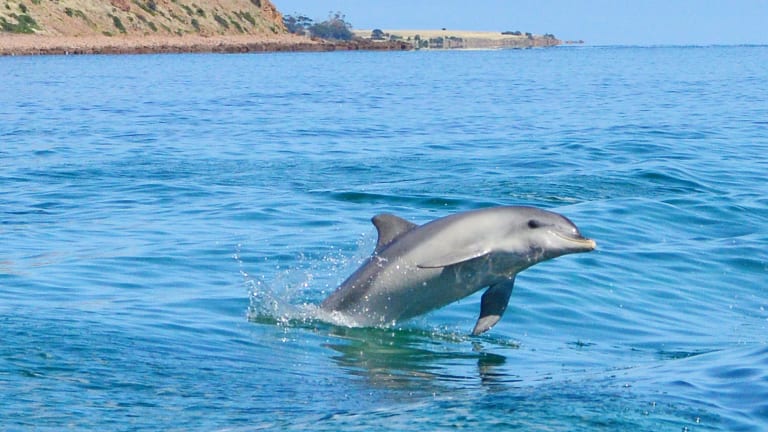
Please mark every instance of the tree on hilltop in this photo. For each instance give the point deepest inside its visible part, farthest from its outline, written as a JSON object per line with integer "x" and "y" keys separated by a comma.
{"x": 297, "y": 24}
{"x": 335, "y": 27}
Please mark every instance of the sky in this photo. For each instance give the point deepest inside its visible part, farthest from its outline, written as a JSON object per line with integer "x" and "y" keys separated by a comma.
{"x": 597, "y": 22}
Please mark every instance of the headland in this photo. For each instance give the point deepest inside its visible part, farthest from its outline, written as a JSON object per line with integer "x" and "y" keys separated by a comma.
{"x": 39, "y": 27}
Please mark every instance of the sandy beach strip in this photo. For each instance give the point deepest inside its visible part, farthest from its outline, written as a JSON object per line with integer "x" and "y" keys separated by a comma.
{"x": 15, "y": 44}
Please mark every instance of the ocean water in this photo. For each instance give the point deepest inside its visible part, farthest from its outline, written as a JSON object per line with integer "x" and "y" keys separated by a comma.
{"x": 165, "y": 221}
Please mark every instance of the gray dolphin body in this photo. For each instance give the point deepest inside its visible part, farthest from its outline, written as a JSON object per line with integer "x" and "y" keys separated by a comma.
{"x": 415, "y": 269}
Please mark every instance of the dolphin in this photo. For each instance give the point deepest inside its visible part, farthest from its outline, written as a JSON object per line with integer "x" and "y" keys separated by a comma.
{"x": 416, "y": 269}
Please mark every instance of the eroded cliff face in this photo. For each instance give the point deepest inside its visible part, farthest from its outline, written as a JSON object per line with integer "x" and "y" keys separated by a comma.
{"x": 140, "y": 17}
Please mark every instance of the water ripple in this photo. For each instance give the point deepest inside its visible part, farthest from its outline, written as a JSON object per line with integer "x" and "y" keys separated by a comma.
{"x": 167, "y": 232}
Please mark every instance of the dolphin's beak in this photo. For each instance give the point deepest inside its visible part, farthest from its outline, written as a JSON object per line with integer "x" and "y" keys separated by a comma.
{"x": 582, "y": 244}
{"x": 590, "y": 243}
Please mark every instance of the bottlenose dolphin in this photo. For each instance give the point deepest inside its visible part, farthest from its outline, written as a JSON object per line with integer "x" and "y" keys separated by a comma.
{"x": 415, "y": 269}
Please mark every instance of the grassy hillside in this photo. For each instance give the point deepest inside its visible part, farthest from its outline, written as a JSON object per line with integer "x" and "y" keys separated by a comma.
{"x": 140, "y": 17}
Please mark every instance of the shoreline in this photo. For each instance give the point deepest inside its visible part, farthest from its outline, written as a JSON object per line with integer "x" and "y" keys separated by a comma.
{"x": 462, "y": 39}
{"x": 29, "y": 45}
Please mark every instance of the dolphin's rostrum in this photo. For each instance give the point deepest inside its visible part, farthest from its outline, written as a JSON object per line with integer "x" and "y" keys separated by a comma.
{"x": 415, "y": 269}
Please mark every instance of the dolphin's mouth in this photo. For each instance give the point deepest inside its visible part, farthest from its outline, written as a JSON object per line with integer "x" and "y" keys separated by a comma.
{"x": 583, "y": 242}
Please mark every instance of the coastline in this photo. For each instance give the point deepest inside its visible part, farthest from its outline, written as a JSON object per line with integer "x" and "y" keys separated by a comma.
{"x": 23, "y": 44}
{"x": 461, "y": 39}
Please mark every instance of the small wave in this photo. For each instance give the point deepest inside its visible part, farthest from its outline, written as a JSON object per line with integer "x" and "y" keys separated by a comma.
{"x": 291, "y": 300}
{"x": 377, "y": 198}
{"x": 728, "y": 385}
{"x": 268, "y": 308}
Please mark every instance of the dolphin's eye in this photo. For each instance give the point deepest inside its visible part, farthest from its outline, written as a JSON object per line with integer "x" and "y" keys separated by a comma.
{"x": 533, "y": 224}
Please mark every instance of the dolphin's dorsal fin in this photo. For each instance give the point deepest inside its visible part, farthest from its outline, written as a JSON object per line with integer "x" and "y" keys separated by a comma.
{"x": 493, "y": 304}
{"x": 453, "y": 257}
{"x": 390, "y": 227}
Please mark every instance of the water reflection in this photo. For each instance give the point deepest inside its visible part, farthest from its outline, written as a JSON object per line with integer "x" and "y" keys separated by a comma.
{"x": 416, "y": 359}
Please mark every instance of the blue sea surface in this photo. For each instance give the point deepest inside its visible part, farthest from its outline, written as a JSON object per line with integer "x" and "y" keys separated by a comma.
{"x": 166, "y": 221}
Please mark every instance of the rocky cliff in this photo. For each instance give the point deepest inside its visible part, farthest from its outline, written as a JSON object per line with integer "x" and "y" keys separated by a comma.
{"x": 140, "y": 17}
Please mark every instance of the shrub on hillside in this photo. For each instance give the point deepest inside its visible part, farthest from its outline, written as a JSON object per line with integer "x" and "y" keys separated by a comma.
{"x": 24, "y": 24}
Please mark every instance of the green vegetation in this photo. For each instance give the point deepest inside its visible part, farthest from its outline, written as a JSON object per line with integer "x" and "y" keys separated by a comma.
{"x": 222, "y": 22}
{"x": 177, "y": 18}
{"x": 379, "y": 35}
{"x": 246, "y": 16}
{"x": 146, "y": 16}
{"x": 236, "y": 24}
{"x": 149, "y": 23}
{"x": 118, "y": 24}
{"x": 24, "y": 24}
{"x": 334, "y": 28}
{"x": 297, "y": 25}
{"x": 420, "y": 43}
{"x": 149, "y": 7}
{"x": 436, "y": 42}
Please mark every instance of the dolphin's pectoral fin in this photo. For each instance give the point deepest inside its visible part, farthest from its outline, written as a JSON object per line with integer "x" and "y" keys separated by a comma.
{"x": 493, "y": 304}
{"x": 389, "y": 228}
{"x": 455, "y": 257}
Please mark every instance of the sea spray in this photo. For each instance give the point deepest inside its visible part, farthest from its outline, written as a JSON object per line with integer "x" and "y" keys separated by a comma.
{"x": 293, "y": 295}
